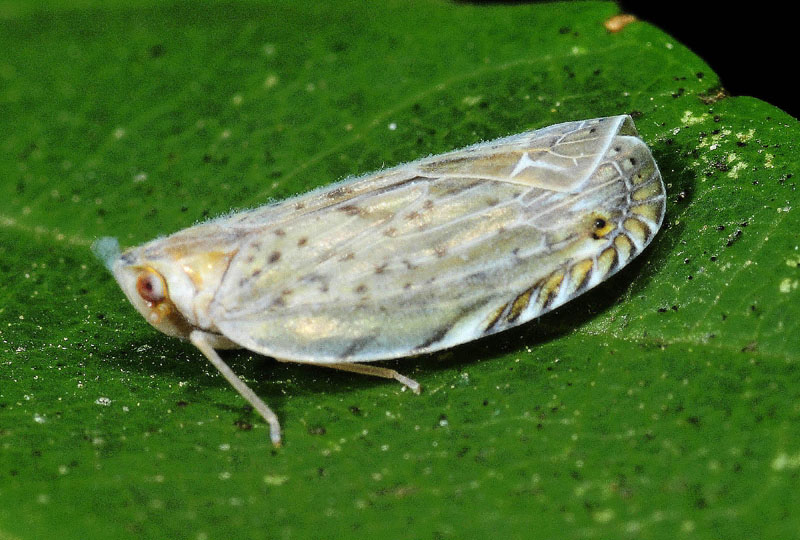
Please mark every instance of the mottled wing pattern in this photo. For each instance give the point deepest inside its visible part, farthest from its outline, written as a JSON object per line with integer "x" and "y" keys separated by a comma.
{"x": 443, "y": 250}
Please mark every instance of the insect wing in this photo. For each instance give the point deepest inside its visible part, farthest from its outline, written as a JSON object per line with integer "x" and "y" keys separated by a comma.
{"x": 442, "y": 250}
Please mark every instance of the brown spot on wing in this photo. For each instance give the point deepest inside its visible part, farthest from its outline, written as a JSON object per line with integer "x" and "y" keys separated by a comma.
{"x": 339, "y": 193}
{"x": 357, "y": 345}
{"x": 351, "y": 210}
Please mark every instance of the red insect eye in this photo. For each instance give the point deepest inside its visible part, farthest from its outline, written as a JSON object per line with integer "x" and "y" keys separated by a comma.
{"x": 151, "y": 287}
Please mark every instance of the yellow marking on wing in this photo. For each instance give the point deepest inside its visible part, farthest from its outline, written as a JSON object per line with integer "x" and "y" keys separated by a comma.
{"x": 601, "y": 227}
{"x": 550, "y": 289}
{"x": 645, "y": 192}
{"x": 519, "y": 305}
{"x": 637, "y": 229}
{"x": 606, "y": 261}
{"x": 624, "y": 247}
{"x": 495, "y": 317}
{"x": 312, "y": 327}
{"x": 650, "y": 211}
{"x": 579, "y": 273}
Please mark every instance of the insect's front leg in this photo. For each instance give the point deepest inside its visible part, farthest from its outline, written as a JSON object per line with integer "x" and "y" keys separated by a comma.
{"x": 207, "y": 343}
{"x": 366, "y": 369}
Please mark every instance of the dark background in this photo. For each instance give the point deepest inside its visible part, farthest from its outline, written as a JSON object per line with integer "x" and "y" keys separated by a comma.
{"x": 755, "y": 50}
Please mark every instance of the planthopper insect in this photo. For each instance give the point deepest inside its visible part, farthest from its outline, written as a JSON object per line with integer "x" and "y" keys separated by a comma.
{"x": 408, "y": 260}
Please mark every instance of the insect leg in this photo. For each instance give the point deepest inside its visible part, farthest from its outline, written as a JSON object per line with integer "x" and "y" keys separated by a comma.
{"x": 366, "y": 369}
{"x": 206, "y": 342}
{"x": 376, "y": 371}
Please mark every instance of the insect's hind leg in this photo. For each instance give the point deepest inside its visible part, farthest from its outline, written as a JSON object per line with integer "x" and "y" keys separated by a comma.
{"x": 366, "y": 369}
{"x": 376, "y": 371}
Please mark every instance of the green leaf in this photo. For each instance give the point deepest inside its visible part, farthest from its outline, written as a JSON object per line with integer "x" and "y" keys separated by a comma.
{"x": 665, "y": 403}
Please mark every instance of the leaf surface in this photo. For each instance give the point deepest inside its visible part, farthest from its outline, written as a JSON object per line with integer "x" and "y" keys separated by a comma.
{"x": 662, "y": 404}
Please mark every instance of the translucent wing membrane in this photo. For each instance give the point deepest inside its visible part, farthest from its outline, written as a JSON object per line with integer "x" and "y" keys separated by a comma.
{"x": 440, "y": 251}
